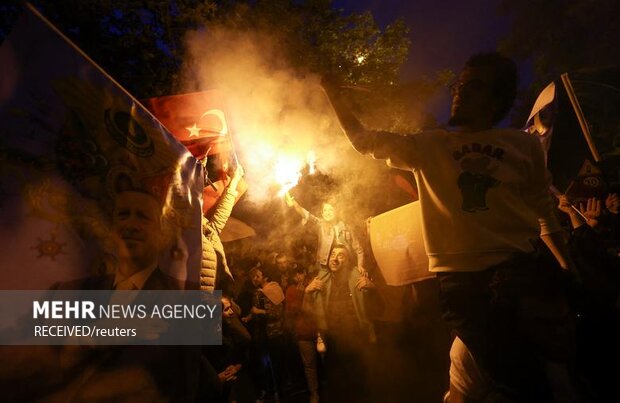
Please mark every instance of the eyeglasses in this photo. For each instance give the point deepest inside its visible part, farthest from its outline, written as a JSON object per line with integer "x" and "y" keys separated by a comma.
{"x": 460, "y": 87}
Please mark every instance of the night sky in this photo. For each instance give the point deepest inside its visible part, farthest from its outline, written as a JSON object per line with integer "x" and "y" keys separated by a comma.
{"x": 443, "y": 33}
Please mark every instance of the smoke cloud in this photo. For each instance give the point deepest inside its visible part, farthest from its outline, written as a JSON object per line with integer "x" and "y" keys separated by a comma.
{"x": 280, "y": 115}
{"x": 277, "y": 115}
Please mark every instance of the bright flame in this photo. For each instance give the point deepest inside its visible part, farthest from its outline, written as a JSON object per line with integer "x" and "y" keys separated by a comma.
{"x": 311, "y": 160}
{"x": 287, "y": 173}
{"x": 360, "y": 59}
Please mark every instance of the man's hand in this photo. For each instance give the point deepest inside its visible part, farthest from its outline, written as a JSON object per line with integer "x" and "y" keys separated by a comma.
{"x": 576, "y": 219}
{"x": 592, "y": 211}
{"x": 258, "y": 311}
{"x": 565, "y": 206}
{"x": 364, "y": 283}
{"x": 315, "y": 285}
{"x": 290, "y": 200}
{"x": 612, "y": 203}
{"x": 239, "y": 172}
{"x": 229, "y": 374}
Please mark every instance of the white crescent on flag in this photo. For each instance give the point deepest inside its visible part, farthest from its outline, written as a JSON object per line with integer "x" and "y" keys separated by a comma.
{"x": 220, "y": 115}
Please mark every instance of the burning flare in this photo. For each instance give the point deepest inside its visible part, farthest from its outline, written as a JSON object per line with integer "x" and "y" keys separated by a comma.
{"x": 311, "y": 161}
{"x": 287, "y": 173}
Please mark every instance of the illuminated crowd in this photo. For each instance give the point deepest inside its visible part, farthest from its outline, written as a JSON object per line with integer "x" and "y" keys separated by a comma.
{"x": 283, "y": 341}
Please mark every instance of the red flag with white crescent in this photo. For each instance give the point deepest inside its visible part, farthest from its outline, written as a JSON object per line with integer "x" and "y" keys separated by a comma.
{"x": 200, "y": 121}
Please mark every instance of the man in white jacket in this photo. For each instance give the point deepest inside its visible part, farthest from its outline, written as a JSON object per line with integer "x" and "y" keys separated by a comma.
{"x": 485, "y": 200}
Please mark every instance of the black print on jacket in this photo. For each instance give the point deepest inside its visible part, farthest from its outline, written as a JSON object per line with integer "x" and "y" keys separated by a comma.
{"x": 474, "y": 182}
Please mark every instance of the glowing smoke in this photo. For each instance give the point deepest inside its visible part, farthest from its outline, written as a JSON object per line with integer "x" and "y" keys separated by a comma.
{"x": 278, "y": 118}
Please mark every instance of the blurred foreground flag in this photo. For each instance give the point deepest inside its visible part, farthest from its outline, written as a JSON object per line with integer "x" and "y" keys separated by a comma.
{"x": 200, "y": 120}
{"x": 71, "y": 139}
{"x": 398, "y": 245}
{"x": 576, "y": 118}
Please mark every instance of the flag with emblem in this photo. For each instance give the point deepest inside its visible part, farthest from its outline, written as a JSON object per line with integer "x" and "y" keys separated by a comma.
{"x": 71, "y": 139}
{"x": 588, "y": 183}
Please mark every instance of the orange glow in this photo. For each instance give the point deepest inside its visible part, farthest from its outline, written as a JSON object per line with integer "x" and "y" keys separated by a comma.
{"x": 311, "y": 161}
{"x": 287, "y": 173}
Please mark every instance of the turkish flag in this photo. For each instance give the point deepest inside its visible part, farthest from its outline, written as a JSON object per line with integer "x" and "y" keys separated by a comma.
{"x": 200, "y": 121}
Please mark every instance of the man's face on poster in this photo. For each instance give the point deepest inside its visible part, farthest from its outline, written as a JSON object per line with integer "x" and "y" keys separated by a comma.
{"x": 136, "y": 224}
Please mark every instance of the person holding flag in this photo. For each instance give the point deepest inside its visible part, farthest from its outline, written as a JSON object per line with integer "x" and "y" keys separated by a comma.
{"x": 214, "y": 271}
{"x": 198, "y": 120}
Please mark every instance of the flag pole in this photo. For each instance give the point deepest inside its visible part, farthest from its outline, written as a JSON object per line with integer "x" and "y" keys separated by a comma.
{"x": 559, "y": 194}
{"x": 568, "y": 86}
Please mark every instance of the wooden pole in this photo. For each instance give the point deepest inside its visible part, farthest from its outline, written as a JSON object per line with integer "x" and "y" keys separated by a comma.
{"x": 568, "y": 86}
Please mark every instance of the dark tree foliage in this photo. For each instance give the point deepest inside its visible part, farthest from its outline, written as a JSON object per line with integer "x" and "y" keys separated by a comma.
{"x": 560, "y": 36}
{"x": 139, "y": 43}
{"x": 323, "y": 40}
{"x": 316, "y": 38}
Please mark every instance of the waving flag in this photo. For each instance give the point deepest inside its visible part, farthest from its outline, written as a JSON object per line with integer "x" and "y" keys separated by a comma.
{"x": 71, "y": 137}
{"x": 200, "y": 120}
{"x": 576, "y": 117}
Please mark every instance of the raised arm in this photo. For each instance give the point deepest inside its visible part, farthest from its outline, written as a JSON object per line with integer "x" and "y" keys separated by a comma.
{"x": 361, "y": 139}
{"x": 399, "y": 151}
{"x": 226, "y": 203}
{"x": 305, "y": 214}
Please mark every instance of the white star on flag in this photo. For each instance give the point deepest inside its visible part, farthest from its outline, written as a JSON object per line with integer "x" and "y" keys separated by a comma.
{"x": 194, "y": 131}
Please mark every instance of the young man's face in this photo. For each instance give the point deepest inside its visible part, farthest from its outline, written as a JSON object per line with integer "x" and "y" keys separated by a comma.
{"x": 328, "y": 212}
{"x": 257, "y": 278}
{"x": 227, "y": 309}
{"x": 472, "y": 97}
{"x": 338, "y": 260}
{"x": 282, "y": 263}
{"x": 299, "y": 278}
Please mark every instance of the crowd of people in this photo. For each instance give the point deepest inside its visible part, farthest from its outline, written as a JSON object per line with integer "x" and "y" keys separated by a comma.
{"x": 299, "y": 319}
{"x": 532, "y": 305}
{"x": 299, "y": 331}
{"x": 527, "y": 286}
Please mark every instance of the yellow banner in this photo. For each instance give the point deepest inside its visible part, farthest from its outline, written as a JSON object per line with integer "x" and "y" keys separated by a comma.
{"x": 398, "y": 245}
